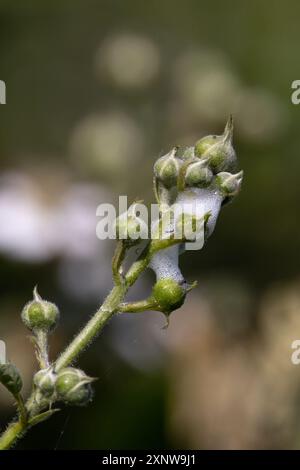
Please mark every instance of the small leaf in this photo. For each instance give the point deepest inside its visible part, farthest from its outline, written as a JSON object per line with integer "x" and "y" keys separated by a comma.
{"x": 10, "y": 378}
{"x": 42, "y": 417}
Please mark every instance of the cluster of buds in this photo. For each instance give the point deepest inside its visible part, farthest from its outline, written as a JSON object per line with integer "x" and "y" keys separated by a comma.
{"x": 71, "y": 386}
{"x": 210, "y": 164}
{"x": 200, "y": 180}
{"x": 191, "y": 185}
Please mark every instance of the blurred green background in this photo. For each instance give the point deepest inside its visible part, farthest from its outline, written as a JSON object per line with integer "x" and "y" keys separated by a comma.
{"x": 96, "y": 91}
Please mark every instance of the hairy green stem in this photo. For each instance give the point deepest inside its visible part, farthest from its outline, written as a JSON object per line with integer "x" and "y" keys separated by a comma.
{"x": 106, "y": 311}
{"x": 139, "y": 306}
{"x": 117, "y": 262}
{"x": 22, "y": 409}
{"x": 92, "y": 328}
{"x": 41, "y": 339}
{"x": 13, "y": 432}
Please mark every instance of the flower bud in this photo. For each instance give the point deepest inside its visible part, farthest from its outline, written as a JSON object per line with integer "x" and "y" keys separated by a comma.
{"x": 44, "y": 380}
{"x": 229, "y": 184}
{"x": 198, "y": 174}
{"x": 40, "y": 314}
{"x": 130, "y": 227}
{"x": 73, "y": 386}
{"x": 169, "y": 294}
{"x": 166, "y": 169}
{"x": 218, "y": 149}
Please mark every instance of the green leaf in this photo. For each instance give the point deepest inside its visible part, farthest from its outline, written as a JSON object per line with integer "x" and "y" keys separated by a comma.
{"x": 10, "y": 378}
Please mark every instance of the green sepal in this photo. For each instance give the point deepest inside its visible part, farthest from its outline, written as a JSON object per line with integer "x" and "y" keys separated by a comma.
{"x": 42, "y": 417}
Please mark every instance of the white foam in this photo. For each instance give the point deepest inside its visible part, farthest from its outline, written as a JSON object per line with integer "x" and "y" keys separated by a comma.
{"x": 165, "y": 264}
{"x": 198, "y": 202}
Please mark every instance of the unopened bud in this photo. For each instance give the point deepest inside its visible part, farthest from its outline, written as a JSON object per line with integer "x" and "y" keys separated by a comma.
{"x": 169, "y": 294}
{"x": 73, "y": 386}
{"x": 40, "y": 314}
{"x": 218, "y": 149}
{"x": 44, "y": 380}
{"x": 198, "y": 174}
{"x": 166, "y": 169}
{"x": 229, "y": 184}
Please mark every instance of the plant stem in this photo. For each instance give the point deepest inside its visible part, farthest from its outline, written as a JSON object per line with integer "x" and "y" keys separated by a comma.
{"x": 139, "y": 306}
{"x": 117, "y": 262}
{"x": 14, "y": 432}
{"x": 106, "y": 311}
{"x": 138, "y": 266}
{"x": 22, "y": 409}
{"x": 42, "y": 349}
{"x": 92, "y": 328}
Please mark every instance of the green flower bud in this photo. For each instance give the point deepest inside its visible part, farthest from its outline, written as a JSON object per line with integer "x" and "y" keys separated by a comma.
{"x": 40, "y": 314}
{"x": 218, "y": 149}
{"x": 44, "y": 380}
{"x": 166, "y": 169}
{"x": 198, "y": 174}
{"x": 229, "y": 184}
{"x": 73, "y": 386}
{"x": 169, "y": 294}
{"x": 130, "y": 227}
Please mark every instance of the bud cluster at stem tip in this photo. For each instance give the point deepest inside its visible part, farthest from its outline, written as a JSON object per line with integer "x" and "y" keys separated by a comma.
{"x": 198, "y": 180}
{"x": 71, "y": 386}
{"x": 206, "y": 165}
